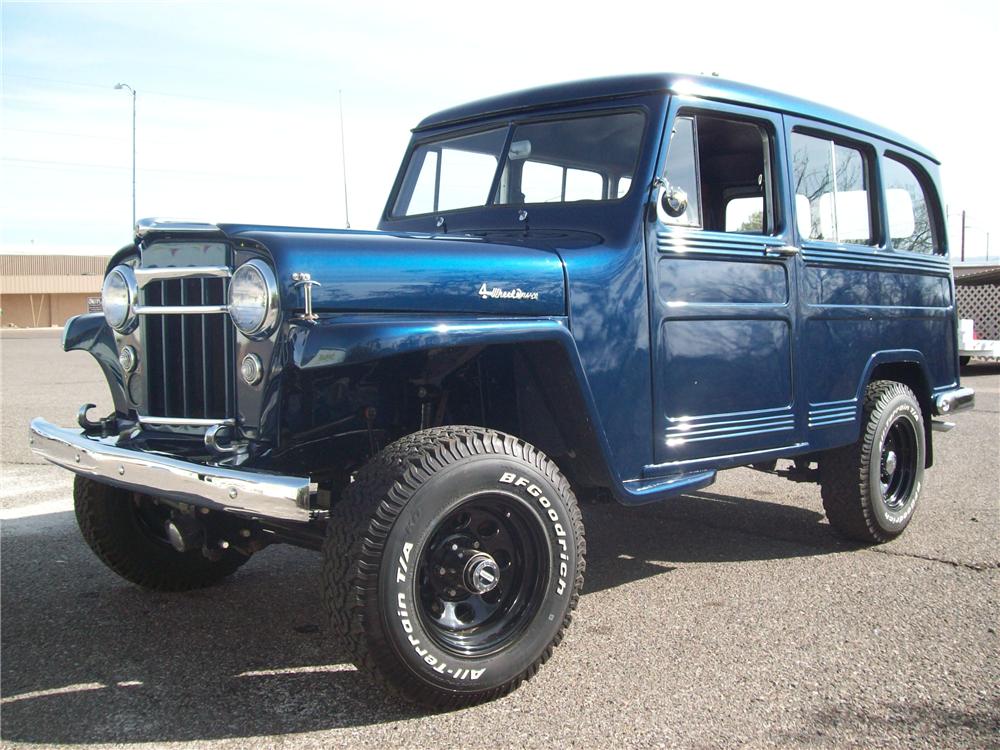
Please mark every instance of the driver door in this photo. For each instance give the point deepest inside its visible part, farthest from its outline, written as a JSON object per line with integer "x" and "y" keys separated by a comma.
{"x": 723, "y": 280}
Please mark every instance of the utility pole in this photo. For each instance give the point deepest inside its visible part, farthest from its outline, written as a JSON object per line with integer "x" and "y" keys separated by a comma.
{"x": 343, "y": 157}
{"x": 963, "y": 236}
{"x": 119, "y": 87}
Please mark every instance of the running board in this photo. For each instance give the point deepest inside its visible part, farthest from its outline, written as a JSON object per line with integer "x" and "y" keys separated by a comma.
{"x": 642, "y": 491}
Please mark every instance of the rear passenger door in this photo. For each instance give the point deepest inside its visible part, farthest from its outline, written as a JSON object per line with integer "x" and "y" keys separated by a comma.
{"x": 722, "y": 289}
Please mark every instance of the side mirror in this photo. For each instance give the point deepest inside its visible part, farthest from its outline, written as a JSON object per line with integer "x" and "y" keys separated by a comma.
{"x": 673, "y": 201}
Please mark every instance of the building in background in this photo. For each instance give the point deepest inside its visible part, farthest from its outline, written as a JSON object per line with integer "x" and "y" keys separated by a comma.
{"x": 37, "y": 291}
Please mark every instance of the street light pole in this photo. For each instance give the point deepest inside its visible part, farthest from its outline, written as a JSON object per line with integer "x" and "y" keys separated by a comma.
{"x": 119, "y": 87}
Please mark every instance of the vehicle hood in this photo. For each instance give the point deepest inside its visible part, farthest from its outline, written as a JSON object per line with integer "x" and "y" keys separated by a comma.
{"x": 389, "y": 272}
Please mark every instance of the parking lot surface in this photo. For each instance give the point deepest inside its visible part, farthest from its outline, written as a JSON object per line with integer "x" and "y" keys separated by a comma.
{"x": 727, "y": 617}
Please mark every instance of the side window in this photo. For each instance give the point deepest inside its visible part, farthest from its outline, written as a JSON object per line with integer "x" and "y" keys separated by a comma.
{"x": 745, "y": 215}
{"x": 831, "y": 193}
{"x": 910, "y": 226}
{"x": 724, "y": 168}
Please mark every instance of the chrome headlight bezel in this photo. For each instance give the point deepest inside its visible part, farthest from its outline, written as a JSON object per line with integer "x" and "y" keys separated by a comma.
{"x": 125, "y": 277}
{"x": 266, "y": 317}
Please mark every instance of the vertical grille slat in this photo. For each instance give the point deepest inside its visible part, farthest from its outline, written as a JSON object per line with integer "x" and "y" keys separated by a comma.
{"x": 204, "y": 360}
{"x": 184, "y": 351}
{"x": 188, "y": 357}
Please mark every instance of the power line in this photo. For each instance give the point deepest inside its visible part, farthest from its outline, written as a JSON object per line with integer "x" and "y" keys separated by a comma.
{"x": 56, "y": 164}
{"x": 145, "y": 91}
{"x": 61, "y": 132}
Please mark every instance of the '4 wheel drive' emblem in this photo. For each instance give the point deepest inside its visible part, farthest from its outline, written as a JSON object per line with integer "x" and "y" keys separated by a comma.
{"x": 498, "y": 293}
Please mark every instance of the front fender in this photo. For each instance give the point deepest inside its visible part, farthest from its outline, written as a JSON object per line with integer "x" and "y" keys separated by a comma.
{"x": 356, "y": 339}
{"x": 90, "y": 333}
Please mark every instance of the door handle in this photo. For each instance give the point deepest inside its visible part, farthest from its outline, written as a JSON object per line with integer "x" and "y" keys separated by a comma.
{"x": 784, "y": 250}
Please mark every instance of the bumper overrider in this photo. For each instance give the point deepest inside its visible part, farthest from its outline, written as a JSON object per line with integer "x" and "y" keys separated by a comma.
{"x": 246, "y": 493}
{"x": 957, "y": 399}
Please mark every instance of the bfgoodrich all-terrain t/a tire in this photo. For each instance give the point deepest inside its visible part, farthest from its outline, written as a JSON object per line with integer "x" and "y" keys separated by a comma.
{"x": 453, "y": 563}
{"x": 870, "y": 489}
{"x": 124, "y": 531}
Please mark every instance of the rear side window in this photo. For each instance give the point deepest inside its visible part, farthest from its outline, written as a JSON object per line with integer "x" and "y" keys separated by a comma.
{"x": 831, "y": 191}
{"x": 910, "y": 225}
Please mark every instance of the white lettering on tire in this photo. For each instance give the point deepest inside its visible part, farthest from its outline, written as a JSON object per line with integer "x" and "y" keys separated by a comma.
{"x": 533, "y": 490}
{"x": 438, "y": 664}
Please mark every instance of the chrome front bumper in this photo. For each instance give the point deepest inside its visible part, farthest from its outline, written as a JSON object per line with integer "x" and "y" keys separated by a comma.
{"x": 246, "y": 493}
{"x": 954, "y": 400}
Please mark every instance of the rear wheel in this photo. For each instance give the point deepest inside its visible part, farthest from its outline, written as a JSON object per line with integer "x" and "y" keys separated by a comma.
{"x": 453, "y": 563}
{"x": 128, "y": 533}
{"x": 870, "y": 489}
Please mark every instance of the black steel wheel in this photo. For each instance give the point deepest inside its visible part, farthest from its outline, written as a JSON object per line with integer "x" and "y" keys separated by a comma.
{"x": 870, "y": 489}
{"x": 453, "y": 563}
{"x": 481, "y": 575}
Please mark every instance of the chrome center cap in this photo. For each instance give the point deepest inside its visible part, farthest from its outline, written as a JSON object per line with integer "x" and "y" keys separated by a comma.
{"x": 890, "y": 463}
{"x": 481, "y": 574}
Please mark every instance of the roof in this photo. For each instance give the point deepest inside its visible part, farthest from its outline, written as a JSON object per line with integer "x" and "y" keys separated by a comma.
{"x": 704, "y": 87}
{"x": 976, "y": 275}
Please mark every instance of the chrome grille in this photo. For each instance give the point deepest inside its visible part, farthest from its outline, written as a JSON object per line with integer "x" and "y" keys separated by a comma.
{"x": 188, "y": 354}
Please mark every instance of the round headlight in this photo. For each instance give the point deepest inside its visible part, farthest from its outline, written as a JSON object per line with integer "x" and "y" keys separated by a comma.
{"x": 253, "y": 298}
{"x": 118, "y": 295}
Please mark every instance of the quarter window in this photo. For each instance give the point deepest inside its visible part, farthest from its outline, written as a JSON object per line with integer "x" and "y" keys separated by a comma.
{"x": 723, "y": 168}
{"x": 831, "y": 193}
{"x": 910, "y": 226}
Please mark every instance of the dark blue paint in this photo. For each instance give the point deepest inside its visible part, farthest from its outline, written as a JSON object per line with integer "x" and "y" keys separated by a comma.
{"x": 692, "y": 281}
{"x": 399, "y": 273}
{"x": 691, "y": 350}
{"x": 91, "y": 334}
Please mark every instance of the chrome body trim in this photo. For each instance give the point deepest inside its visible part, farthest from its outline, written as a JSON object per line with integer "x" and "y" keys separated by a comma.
{"x": 144, "y": 276}
{"x": 180, "y": 309}
{"x": 245, "y": 493}
{"x": 185, "y": 421}
{"x": 954, "y": 400}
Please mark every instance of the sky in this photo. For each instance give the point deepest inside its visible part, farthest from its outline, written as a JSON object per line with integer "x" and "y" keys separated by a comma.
{"x": 237, "y": 115}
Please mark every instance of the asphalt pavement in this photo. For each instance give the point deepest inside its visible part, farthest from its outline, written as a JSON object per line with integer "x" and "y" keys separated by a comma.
{"x": 727, "y": 617}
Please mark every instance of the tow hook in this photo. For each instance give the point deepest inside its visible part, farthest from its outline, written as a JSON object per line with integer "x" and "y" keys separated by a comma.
{"x": 107, "y": 425}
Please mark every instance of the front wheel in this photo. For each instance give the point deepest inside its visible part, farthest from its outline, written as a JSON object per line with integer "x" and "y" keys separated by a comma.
{"x": 126, "y": 532}
{"x": 870, "y": 489}
{"x": 453, "y": 563}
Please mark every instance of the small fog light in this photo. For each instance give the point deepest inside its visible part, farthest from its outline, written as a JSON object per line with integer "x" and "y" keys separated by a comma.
{"x": 128, "y": 358}
{"x": 252, "y": 369}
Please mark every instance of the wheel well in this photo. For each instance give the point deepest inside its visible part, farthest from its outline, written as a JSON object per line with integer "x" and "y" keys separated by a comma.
{"x": 531, "y": 391}
{"x": 911, "y": 375}
{"x": 335, "y": 419}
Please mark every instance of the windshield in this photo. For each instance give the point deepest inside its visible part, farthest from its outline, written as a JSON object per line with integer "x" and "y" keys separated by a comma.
{"x": 560, "y": 161}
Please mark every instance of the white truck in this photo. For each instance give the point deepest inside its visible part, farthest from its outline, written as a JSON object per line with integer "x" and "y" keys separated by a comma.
{"x": 969, "y": 346}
